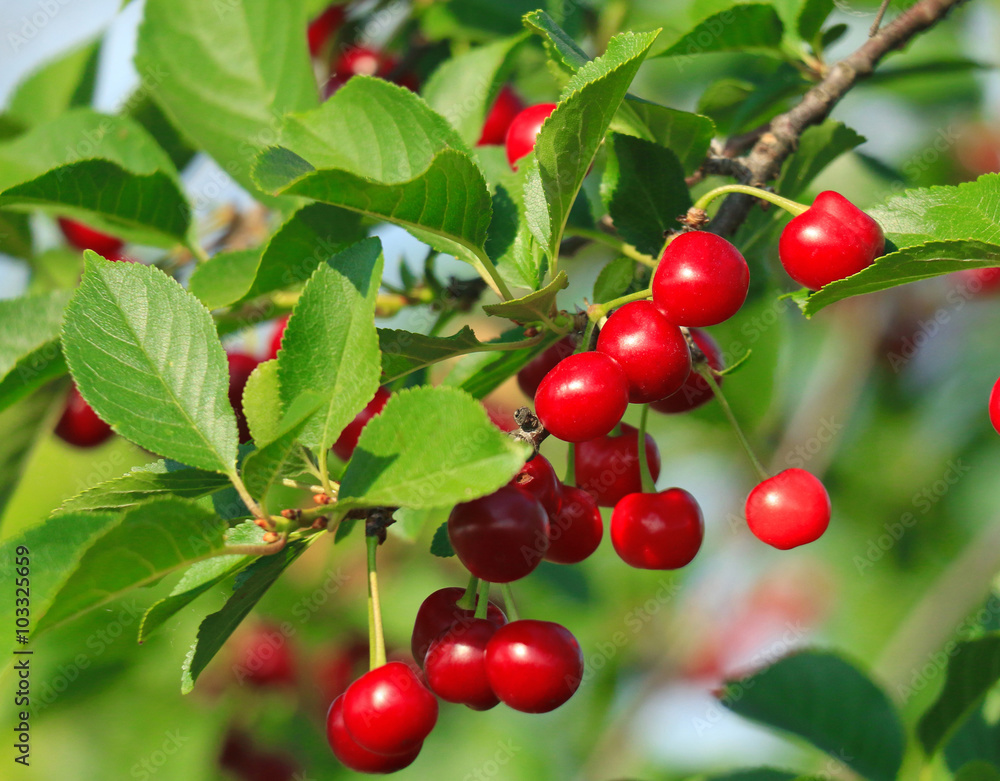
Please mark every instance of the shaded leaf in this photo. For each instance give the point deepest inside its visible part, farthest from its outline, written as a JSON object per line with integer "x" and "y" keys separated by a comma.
{"x": 441, "y": 544}
{"x": 614, "y": 279}
{"x": 747, "y": 27}
{"x": 158, "y": 479}
{"x": 532, "y": 307}
{"x": 30, "y": 356}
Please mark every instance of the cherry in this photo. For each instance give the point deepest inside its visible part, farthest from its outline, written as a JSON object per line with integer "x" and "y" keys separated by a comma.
{"x": 276, "y": 337}
{"x": 995, "y": 406}
{"x": 507, "y": 106}
{"x": 701, "y": 280}
{"x": 657, "y": 531}
{"x": 583, "y": 397}
{"x": 456, "y": 665}
{"x": 348, "y": 439}
{"x": 335, "y": 668}
{"x": 265, "y": 658}
{"x": 535, "y": 370}
{"x": 787, "y": 510}
{"x": 524, "y": 129}
{"x": 438, "y": 613}
{"x": 322, "y": 28}
{"x": 241, "y": 366}
{"x": 534, "y": 666}
{"x": 608, "y": 467}
{"x": 575, "y": 531}
{"x": 538, "y": 478}
{"x": 652, "y": 351}
{"x": 500, "y": 537}
{"x": 355, "y": 756}
{"x": 388, "y": 710}
{"x": 79, "y": 424}
{"x": 830, "y": 240}
{"x": 362, "y": 61}
{"x": 695, "y": 391}
{"x": 84, "y": 237}
{"x": 981, "y": 280}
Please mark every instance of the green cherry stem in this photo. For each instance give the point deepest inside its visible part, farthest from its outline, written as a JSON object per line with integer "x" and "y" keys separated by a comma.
{"x": 788, "y": 205}
{"x": 508, "y": 600}
{"x": 596, "y": 311}
{"x": 626, "y": 249}
{"x": 483, "y": 599}
{"x": 468, "y": 600}
{"x": 376, "y": 638}
{"x": 648, "y": 486}
{"x": 248, "y": 500}
{"x": 706, "y": 371}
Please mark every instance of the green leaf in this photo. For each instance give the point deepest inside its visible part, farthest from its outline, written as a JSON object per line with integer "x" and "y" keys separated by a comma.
{"x": 229, "y": 85}
{"x": 510, "y": 244}
{"x": 974, "y": 739}
{"x": 747, "y": 27}
{"x": 30, "y": 356}
{"x": 561, "y": 48}
{"x": 614, "y": 280}
{"x": 55, "y": 87}
{"x": 978, "y": 771}
{"x": 224, "y": 278}
{"x": 463, "y": 88}
{"x": 973, "y": 670}
{"x": 401, "y": 459}
{"x": 441, "y": 544}
{"x": 907, "y": 265}
{"x": 158, "y": 479}
{"x": 15, "y": 235}
{"x": 216, "y": 628}
{"x": 811, "y": 17}
{"x": 22, "y": 425}
{"x": 330, "y": 344}
{"x": 404, "y": 352}
{"x": 146, "y": 357}
{"x": 262, "y": 402}
{"x": 830, "y": 703}
{"x": 685, "y": 134}
{"x": 755, "y": 774}
{"x": 147, "y": 112}
{"x": 481, "y": 374}
{"x": 818, "y": 146}
{"x": 152, "y": 540}
{"x": 644, "y": 191}
{"x": 569, "y": 138}
{"x": 105, "y": 170}
{"x": 532, "y": 307}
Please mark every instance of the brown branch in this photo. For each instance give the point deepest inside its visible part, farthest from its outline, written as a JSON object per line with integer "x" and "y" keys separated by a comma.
{"x": 765, "y": 159}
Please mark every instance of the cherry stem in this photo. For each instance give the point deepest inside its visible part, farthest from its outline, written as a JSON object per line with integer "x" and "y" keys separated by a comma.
{"x": 570, "y": 478}
{"x": 492, "y": 276}
{"x": 596, "y": 311}
{"x": 376, "y": 638}
{"x": 508, "y": 601}
{"x": 706, "y": 371}
{"x": 256, "y": 510}
{"x": 468, "y": 600}
{"x": 626, "y": 249}
{"x": 588, "y": 334}
{"x": 788, "y": 205}
{"x": 648, "y": 486}
{"x": 483, "y": 599}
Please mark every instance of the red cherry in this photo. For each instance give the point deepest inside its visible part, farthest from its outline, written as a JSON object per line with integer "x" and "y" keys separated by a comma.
{"x": 981, "y": 280}
{"x": 701, "y": 280}
{"x": 83, "y": 237}
{"x": 524, "y": 129}
{"x": 995, "y": 406}
{"x": 575, "y": 531}
{"x": 241, "y": 366}
{"x": 322, "y": 28}
{"x": 534, "y": 666}
{"x": 787, "y": 510}
{"x": 265, "y": 658}
{"x": 456, "y": 665}
{"x": 657, "y": 531}
{"x": 348, "y": 439}
{"x": 695, "y": 391}
{"x": 583, "y": 397}
{"x": 276, "y": 337}
{"x": 79, "y": 424}
{"x": 353, "y": 755}
{"x": 830, "y": 240}
{"x": 272, "y": 767}
{"x": 362, "y": 61}
{"x": 388, "y": 710}
{"x": 608, "y": 467}
{"x": 507, "y": 106}
{"x": 500, "y": 537}
{"x": 652, "y": 351}
{"x": 438, "y": 613}
{"x": 538, "y": 478}
{"x": 535, "y": 370}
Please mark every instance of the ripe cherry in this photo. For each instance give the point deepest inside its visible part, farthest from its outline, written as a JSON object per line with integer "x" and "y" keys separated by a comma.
{"x": 535, "y": 370}
{"x": 438, "y": 613}
{"x": 388, "y": 710}
{"x": 652, "y": 351}
{"x": 608, "y": 467}
{"x": 787, "y": 510}
{"x": 695, "y": 391}
{"x": 981, "y": 280}
{"x": 276, "y": 336}
{"x": 830, "y": 240}
{"x": 362, "y": 61}
{"x": 265, "y": 658}
{"x": 84, "y": 237}
{"x": 575, "y": 531}
{"x": 583, "y": 397}
{"x": 534, "y": 666}
{"x": 507, "y": 106}
{"x": 241, "y": 366}
{"x": 538, "y": 478}
{"x": 500, "y": 537}
{"x": 701, "y": 280}
{"x": 456, "y": 665}
{"x": 353, "y": 755}
{"x": 995, "y": 406}
{"x": 79, "y": 424}
{"x": 348, "y": 439}
{"x": 323, "y": 27}
{"x": 524, "y": 129}
{"x": 657, "y": 531}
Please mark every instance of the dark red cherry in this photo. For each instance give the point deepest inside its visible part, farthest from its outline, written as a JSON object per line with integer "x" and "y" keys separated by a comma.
{"x": 994, "y": 406}
{"x": 388, "y": 710}
{"x": 608, "y": 467}
{"x": 500, "y": 537}
{"x": 787, "y": 510}
{"x": 323, "y": 27}
{"x": 981, "y": 280}
{"x": 264, "y": 658}
{"x": 538, "y": 478}
{"x": 353, "y": 755}
{"x": 701, "y": 279}
{"x": 456, "y": 665}
{"x": 524, "y": 129}
{"x": 534, "y": 666}
{"x": 583, "y": 397}
{"x": 79, "y": 424}
{"x": 241, "y": 366}
{"x": 830, "y": 240}
{"x": 348, "y": 439}
{"x": 695, "y": 391}
{"x": 575, "y": 531}
{"x": 438, "y": 613}
{"x": 657, "y": 531}
{"x": 507, "y": 106}
{"x": 84, "y": 237}
{"x": 276, "y": 336}
{"x": 535, "y": 370}
{"x": 652, "y": 351}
